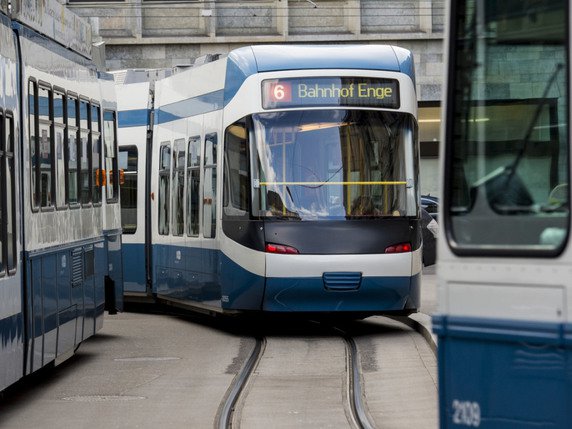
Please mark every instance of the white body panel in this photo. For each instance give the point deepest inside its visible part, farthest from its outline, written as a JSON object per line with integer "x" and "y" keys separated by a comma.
{"x": 135, "y": 97}
{"x": 397, "y": 265}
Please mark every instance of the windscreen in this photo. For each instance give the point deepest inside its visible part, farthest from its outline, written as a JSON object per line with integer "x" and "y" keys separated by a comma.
{"x": 334, "y": 164}
{"x": 508, "y": 178}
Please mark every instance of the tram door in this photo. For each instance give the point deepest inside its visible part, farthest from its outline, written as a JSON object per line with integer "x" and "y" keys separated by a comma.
{"x": 211, "y": 286}
{"x": 11, "y": 316}
{"x": 504, "y": 318}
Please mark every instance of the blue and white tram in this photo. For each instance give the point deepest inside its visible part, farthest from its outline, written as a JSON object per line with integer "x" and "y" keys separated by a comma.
{"x": 505, "y": 260}
{"x": 134, "y": 104}
{"x": 53, "y": 259}
{"x": 283, "y": 179}
{"x": 109, "y": 176}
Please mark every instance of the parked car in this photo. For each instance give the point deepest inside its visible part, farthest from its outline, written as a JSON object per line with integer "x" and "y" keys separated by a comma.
{"x": 430, "y": 230}
{"x": 431, "y": 204}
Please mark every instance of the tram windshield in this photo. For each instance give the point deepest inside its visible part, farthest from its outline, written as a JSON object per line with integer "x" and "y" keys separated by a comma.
{"x": 334, "y": 164}
{"x": 509, "y": 156}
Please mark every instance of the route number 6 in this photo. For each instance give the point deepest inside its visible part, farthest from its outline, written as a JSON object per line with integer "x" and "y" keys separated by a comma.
{"x": 279, "y": 92}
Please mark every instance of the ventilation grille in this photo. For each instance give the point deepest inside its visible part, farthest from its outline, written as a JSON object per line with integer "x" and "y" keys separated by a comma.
{"x": 342, "y": 281}
{"x": 77, "y": 267}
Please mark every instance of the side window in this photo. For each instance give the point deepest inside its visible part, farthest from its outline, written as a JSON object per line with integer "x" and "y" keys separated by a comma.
{"x": 109, "y": 127}
{"x": 209, "y": 186}
{"x": 164, "y": 187}
{"x": 9, "y": 179}
{"x": 193, "y": 185}
{"x": 96, "y": 176}
{"x": 237, "y": 181}
{"x": 8, "y": 258}
{"x": 47, "y": 184}
{"x": 59, "y": 134}
{"x": 128, "y": 162}
{"x": 71, "y": 150}
{"x": 178, "y": 193}
{"x": 34, "y": 142}
{"x": 85, "y": 153}
{"x": 2, "y": 193}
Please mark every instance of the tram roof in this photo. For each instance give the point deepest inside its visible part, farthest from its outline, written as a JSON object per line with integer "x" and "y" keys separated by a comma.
{"x": 293, "y": 57}
{"x": 250, "y": 60}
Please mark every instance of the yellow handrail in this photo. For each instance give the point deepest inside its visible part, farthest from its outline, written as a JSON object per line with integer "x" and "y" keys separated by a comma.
{"x": 331, "y": 183}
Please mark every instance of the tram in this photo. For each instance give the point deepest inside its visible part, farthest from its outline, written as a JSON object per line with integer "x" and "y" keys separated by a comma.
{"x": 504, "y": 259}
{"x": 54, "y": 208}
{"x": 276, "y": 179}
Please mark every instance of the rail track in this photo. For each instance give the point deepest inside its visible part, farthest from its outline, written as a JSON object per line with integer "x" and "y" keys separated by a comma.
{"x": 356, "y": 408}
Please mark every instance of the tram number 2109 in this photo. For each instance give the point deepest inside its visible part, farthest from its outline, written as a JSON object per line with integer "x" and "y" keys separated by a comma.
{"x": 466, "y": 413}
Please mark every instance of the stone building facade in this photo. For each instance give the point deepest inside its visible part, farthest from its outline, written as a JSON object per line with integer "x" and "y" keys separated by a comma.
{"x": 159, "y": 34}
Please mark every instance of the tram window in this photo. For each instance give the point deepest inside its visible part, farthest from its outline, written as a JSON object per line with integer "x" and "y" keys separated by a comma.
{"x": 193, "y": 185}
{"x": 2, "y": 193}
{"x": 34, "y": 143}
{"x": 59, "y": 130}
{"x": 508, "y": 164}
{"x": 110, "y": 148}
{"x": 178, "y": 192}
{"x": 128, "y": 157}
{"x": 164, "y": 187}
{"x": 236, "y": 195}
{"x": 96, "y": 153}
{"x": 334, "y": 164}
{"x": 71, "y": 151}
{"x": 209, "y": 186}
{"x": 46, "y": 157}
{"x": 10, "y": 206}
{"x": 85, "y": 153}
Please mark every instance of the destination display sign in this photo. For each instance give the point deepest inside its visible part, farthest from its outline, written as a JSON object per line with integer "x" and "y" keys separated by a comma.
{"x": 330, "y": 91}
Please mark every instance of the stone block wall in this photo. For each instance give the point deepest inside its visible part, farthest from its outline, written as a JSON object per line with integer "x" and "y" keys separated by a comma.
{"x": 153, "y": 34}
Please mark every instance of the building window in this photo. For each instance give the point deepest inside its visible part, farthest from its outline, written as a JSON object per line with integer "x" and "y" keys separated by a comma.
{"x": 429, "y": 119}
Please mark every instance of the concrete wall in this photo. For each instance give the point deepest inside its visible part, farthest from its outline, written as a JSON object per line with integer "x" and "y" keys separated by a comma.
{"x": 146, "y": 34}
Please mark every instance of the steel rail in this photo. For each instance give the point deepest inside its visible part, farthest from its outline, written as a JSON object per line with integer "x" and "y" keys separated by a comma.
{"x": 356, "y": 392}
{"x": 226, "y": 411}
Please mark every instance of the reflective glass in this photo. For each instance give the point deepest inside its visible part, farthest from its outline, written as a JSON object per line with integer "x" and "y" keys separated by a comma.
{"x": 334, "y": 164}
{"x": 508, "y": 165}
